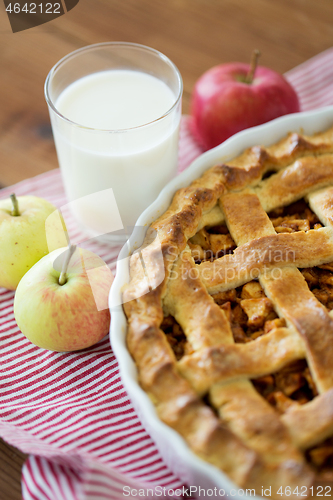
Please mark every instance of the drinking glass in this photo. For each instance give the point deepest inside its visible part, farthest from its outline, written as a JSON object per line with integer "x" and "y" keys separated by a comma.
{"x": 111, "y": 175}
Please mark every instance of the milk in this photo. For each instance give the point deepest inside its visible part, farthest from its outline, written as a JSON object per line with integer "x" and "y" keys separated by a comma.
{"x": 109, "y": 148}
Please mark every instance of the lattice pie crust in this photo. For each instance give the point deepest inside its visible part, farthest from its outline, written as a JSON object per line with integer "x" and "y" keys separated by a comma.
{"x": 235, "y": 346}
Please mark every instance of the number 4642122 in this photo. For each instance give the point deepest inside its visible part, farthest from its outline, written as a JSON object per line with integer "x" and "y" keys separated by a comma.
{"x": 33, "y": 8}
{"x": 303, "y": 491}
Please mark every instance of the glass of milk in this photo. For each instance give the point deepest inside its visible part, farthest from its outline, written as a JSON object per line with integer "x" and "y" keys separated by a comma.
{"x": 115, "y": 110}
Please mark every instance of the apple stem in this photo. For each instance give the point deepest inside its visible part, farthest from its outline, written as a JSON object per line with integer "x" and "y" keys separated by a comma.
{"x": 63, "y": 278}
{"x": 254, "y": 62}
{"x": 15, "y": 211}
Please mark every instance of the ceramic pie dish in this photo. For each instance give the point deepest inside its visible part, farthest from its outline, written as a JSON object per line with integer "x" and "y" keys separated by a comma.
{"x": 172, "y": 447}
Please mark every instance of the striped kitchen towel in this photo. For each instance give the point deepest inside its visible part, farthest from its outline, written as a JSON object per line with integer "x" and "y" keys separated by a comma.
{"x": 69, "y": 411}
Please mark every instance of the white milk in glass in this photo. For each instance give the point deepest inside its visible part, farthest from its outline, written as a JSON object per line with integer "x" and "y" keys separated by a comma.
{"x": 110, "y": 149}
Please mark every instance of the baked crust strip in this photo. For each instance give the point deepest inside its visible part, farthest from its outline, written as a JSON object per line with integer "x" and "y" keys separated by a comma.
{"x": 264, "y": 355}
{"x": 312, "y": 423}
{"x": 251, "y": 260}
{"x": 294, "y": 302}
{"x": 322, "y": 205}
{"x": 248, "y": 168}
{"x": 294, "y": 182}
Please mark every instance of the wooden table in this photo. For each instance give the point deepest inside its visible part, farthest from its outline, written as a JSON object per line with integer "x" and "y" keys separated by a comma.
{"x": 195, "y": 34}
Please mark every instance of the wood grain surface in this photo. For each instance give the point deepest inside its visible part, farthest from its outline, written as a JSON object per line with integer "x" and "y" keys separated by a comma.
{"x": 195, "y": 34}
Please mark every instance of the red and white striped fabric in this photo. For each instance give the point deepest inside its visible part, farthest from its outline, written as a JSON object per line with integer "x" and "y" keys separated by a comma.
{"x": 70, "y": 411}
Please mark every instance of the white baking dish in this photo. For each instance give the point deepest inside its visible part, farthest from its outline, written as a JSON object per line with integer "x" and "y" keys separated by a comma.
{"x": 181, "y": 460}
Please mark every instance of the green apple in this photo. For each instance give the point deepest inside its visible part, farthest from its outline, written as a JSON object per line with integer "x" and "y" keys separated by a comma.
{"x": 61, "y": 303}
{"x": 23, "y": 236}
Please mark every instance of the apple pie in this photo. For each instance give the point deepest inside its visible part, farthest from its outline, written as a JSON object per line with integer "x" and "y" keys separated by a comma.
{"x": 234, "y": 345}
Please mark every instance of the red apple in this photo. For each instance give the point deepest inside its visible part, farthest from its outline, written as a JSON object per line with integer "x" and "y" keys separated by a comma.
{"x": 235, "y": 96}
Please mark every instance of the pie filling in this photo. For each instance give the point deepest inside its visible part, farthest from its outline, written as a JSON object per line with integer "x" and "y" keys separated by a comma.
{"x": 175, "y": 336}
{"x": 251, "y": 315}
